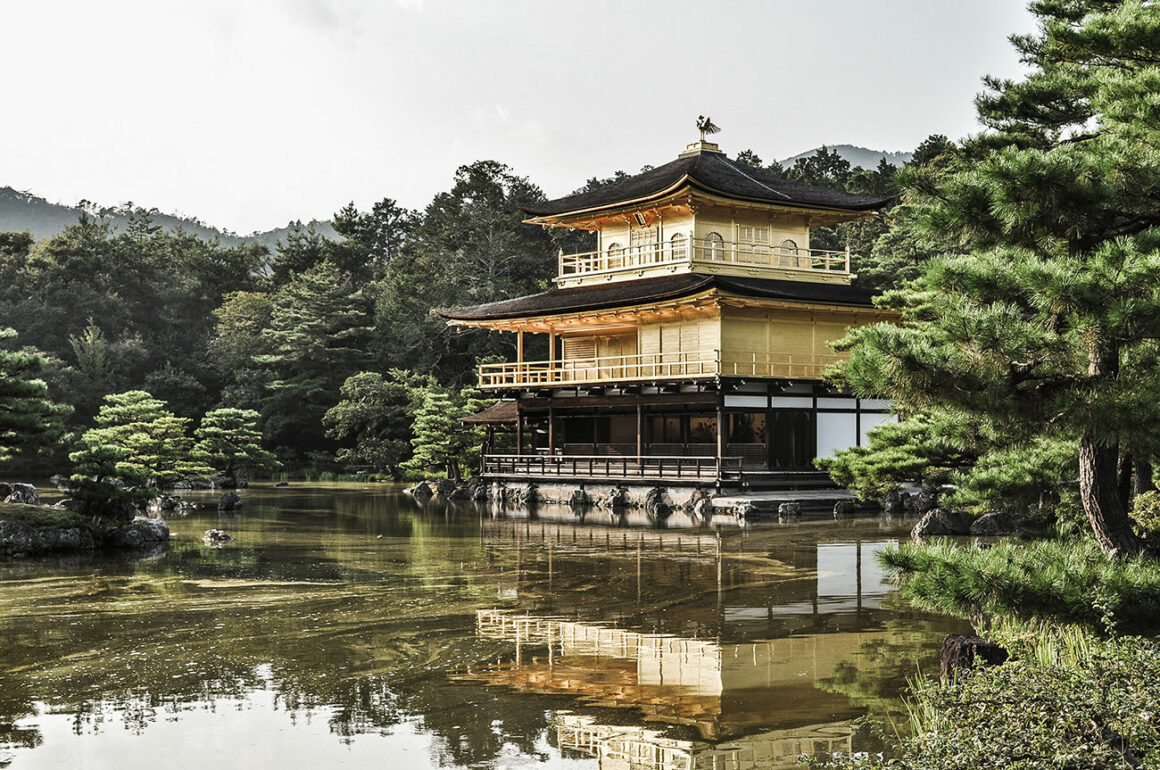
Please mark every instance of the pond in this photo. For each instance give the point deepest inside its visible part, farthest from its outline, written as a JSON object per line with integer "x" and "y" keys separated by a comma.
{"x": 343, "y": 626}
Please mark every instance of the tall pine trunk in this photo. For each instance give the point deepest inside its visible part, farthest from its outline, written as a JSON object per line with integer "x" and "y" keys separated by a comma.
{"x": 1099, "y": 488}
{"x": 1099, "y": 472}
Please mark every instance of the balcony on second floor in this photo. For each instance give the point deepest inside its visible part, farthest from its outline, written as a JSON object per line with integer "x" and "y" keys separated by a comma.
{"x": 684, "y": 252}
{"x": 651, "y": 367}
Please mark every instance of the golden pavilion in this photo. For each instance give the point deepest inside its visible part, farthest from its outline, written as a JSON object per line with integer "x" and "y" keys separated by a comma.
{"x": 688, "y": 348}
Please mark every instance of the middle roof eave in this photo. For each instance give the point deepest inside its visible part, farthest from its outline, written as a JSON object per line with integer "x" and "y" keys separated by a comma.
{"x": 636, "y": 292}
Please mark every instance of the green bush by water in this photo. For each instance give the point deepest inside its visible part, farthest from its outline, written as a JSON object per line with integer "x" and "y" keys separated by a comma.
{"x": 1069, "y": 701}
{"x": 1063, "y": 580}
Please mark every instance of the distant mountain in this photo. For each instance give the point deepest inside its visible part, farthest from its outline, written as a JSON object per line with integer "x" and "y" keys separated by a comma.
{"x": 857, "y": 156}
{"x": 20, "y": 211}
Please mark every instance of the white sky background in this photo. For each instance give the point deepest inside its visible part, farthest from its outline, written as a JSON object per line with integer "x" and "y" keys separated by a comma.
{"x": 249, "y": 113}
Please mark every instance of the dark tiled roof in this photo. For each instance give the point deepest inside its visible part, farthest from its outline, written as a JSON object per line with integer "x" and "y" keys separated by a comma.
{"x": 624, "y": 293}
{"x": 715, "y": 173}
{"x": 499, "y": 412}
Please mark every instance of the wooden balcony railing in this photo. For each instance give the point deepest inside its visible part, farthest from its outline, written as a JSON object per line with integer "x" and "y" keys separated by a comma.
{"x": 689, "y": 250}
{"x": 654, "y": 366}
{"x": 609, "y": 467}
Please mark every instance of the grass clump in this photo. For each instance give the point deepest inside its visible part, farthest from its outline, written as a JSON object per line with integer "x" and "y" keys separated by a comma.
{"x": 40, "y": 518}
{"x": 1063, "y": 580}
{"x": 1085, "y": 704}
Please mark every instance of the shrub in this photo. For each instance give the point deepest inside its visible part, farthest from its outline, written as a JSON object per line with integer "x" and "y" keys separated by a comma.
{"x": 1146, "y": 514}
{"x": 1094, "y": 707}
{"x": 1060, "y": 580}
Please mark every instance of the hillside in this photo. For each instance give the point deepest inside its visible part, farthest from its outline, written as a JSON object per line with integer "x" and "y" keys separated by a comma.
{"x": 857, "y": 156}
{"x": 20, "y": 211}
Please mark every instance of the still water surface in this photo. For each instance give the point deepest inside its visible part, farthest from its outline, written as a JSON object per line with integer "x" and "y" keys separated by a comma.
{"x": 345, "y": 627}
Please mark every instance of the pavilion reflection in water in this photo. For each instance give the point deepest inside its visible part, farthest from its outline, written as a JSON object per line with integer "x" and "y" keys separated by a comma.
{"x": 751, "y": 704}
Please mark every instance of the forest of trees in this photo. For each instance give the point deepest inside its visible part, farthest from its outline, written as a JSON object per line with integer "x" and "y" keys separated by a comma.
{"x": 327, "y": 348}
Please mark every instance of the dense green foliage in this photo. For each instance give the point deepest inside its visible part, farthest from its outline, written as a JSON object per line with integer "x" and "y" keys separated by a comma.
{"x": 1045, "y": 329}
{"x": 29, "y": 419}
{"x": 1087, "y": 704}
{"x": 373, "y": 420}
{"x": 1065, "y": 580}
{"x": 153, "y": 443}
{"x": 229, "y": 442}
{"x": 441, "y": 441}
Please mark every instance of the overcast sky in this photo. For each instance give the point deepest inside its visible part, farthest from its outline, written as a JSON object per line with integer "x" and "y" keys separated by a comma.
{"x": 249, "y": 113}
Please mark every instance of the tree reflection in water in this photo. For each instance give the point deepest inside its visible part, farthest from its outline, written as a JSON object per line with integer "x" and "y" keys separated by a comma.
{"x": 376, "y": 634}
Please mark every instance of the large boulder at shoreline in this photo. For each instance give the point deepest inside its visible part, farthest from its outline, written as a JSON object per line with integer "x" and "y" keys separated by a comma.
{"x": 657, "y": 503}
{"x": 942, "y": 521}
{"x": 999, "y": 523}
{"x": 961, "y": 653}
{"x": 23, "y": 493}
{"x": 790, "y": 510}
{"x": 68, "y": 539}
{"x": 421, "y": 492}
{"x": 19, "y": 539}
{"x": 844, "y": 508}
{"x": 229, "y": 502}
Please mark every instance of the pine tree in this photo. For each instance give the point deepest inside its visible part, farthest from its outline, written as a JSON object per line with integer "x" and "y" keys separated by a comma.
{"x": 1048, "y": 327}
{"x": 441, "y": 440}
{"x": 28, "y": 418}
{"x": 374, "y": 417}
{"x": 152, "y": 442}
{"x": 228, "y": 440}
{"x": 318, "y": 324}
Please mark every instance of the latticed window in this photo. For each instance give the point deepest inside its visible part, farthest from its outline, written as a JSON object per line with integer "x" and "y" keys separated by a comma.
{"x": 677, "y": 247}
{"x": 642, "y": 244}
{"x": 615, "y": 254}
{"x": 753, "y": 243}
{"x": 714, "y": 246}
{"x": 787, "y": 252}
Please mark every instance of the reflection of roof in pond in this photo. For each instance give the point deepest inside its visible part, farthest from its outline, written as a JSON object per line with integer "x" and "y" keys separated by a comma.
{"x": 645, "y": 748}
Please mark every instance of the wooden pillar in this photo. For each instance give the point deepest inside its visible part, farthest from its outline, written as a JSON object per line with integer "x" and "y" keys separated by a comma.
{"x": 639, "y": 429}
{"x": 551, "y": 428}
{"x": 519, "y": 430}
{"x": 520, "y": 346}
{"x": 552, "y": 349}
{"x": 721, "y": 437}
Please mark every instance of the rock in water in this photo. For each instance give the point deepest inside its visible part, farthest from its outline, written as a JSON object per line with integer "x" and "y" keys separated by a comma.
{"x": 942, "y": 521}
{"x": 229, "y": 502}
{"x": 421, "y": 492}
{"x": 657, "y": 503}
{"x": 23, "y": 493}
{"x": 746, "y": 511}
{"x": 959, "y": 653}
{"x": 791, "y": 510}
{"x": 19, "y": 538}
{"x": 215, "y": 538}
{"x": 844, "y": 508}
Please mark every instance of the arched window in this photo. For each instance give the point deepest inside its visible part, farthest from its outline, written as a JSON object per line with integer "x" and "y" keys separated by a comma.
{"x": 787, "y": 252}
{"x": 615, "y": 253}
{"x": 677, "y": 247}
{"x": 714, "y": 246}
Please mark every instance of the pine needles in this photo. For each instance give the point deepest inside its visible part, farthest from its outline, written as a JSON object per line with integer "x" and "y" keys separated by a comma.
{"x": 1064, "y": 581}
